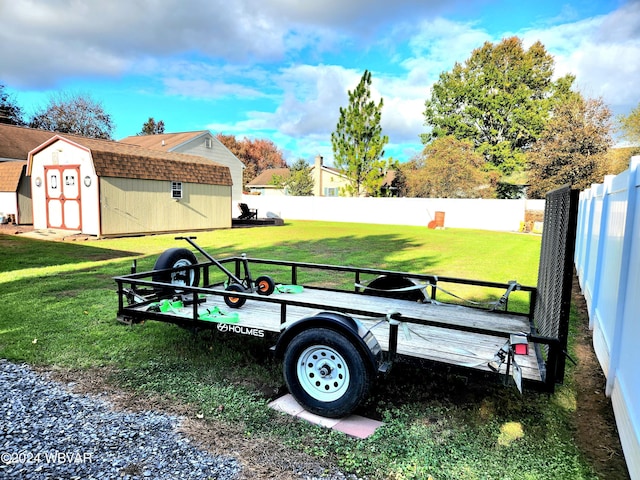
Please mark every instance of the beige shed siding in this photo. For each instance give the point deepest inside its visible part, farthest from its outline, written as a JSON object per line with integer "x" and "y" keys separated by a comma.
{"x": 140, "y": 206}
{"x": 219, "y": 154}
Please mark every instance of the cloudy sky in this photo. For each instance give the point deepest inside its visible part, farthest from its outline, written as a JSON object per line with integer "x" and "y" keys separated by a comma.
{"x": 281, "y": 69}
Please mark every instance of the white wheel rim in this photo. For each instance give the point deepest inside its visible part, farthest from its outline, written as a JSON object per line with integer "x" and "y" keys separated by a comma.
{"x": 177, "y": 278}
{"x": 323, "y": 373}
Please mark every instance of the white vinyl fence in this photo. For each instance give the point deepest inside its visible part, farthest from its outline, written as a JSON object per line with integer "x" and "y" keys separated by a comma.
{"x": 607, "y": 259}
{"x": 500, "y": 215}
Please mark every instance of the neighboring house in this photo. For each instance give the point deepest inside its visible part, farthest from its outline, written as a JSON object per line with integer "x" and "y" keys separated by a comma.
{"x": 15, "y": 144}
{"x": 15, "y": 193}
{"x": 201, "y": 143}
{"x": 327, "y": 181}
{"x": 105, "y": 188}
{"x": 264, "y": 184}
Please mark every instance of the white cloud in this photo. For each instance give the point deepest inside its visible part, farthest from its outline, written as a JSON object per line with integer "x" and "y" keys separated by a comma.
{"x": 601, "y": 52}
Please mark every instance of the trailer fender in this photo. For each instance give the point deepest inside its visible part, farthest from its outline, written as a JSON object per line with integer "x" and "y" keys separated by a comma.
{"x": 351, "y": 328}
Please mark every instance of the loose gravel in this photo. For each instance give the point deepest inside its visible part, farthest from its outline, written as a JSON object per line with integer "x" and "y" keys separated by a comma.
{"x": 49, "y": 432}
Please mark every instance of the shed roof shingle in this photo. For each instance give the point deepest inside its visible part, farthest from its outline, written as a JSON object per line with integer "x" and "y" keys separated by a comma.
{"x": 114, "y": 159}
{"x": 10, "y": 173}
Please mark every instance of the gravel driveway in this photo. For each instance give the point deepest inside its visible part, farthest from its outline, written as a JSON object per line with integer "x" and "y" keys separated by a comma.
{"x": 49, "y": 432}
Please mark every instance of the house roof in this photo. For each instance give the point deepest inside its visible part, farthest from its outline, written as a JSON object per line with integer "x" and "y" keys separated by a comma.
{"x": 115, "y": 159}
{"x": 264, "y": 179}
{"x": 10, "y": 173}
{"x": 16, "y": 142}
{"x": 163, "y": 141}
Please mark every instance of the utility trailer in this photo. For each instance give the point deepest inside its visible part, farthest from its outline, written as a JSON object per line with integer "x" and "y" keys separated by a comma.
{"x": 335, "y": 338}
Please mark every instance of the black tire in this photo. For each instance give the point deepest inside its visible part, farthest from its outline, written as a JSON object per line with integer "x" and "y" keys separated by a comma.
{"x": 378, "y": 286}
{"x": 235, "y": 302}
{"x": 174, "y": 258}
{"x": 326, "y": 373}
{"x": 265, "y": 285}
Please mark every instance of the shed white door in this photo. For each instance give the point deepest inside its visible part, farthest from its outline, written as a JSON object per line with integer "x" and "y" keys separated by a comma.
{"x": 63, "y": 197}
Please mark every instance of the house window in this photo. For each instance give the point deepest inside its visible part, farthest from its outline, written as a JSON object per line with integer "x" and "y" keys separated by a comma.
{"x": 176, "y": 189}
{"x": 330, "y": 192}
{"x": 208, "y": 142}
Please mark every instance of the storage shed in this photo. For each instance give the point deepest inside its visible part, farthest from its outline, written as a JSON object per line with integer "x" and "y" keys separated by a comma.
{"x": 15, "y": 144}
{"x": 202, "y": 143}
{"x": 15, "y": 193}
{"x": 105, "y": 188}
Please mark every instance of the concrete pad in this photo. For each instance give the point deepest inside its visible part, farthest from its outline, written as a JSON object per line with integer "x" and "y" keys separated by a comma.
{"x": 52, "y": 234}
{"x": 353, "y": 425}
{"x": 287, "y": 404}
{"x": 318, "y": 420}
{"x": 357, "y": 426}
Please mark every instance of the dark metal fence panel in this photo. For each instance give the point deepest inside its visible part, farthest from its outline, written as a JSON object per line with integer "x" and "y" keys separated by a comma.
{"x": 555, "y": 271}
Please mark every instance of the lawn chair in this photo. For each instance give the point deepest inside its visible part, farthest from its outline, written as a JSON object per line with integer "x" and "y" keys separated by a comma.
{"x": 247, "y": 213}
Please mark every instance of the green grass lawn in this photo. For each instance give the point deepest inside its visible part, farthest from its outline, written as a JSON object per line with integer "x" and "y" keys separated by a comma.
{"x": 58, "y": 310}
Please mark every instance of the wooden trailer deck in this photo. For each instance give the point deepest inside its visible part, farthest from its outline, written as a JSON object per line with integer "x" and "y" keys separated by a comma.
{"x": 451, "y": 334}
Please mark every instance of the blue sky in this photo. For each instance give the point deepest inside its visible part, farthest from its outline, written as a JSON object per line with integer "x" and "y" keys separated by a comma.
{"x": 281, "y": 69}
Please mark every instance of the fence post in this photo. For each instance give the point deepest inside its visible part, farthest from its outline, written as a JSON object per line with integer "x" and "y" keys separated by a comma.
{"x": 604, "y": 217}
{"x": 625, "y": 267}
{"x": 583, "y": 266}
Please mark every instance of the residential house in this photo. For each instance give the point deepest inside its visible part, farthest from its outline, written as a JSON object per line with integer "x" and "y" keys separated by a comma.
{"x": 327, "y": 181}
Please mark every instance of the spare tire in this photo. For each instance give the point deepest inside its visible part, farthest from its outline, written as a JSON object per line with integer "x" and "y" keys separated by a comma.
{"x": 176, "y": 258}
{"x": 396, "y": 286}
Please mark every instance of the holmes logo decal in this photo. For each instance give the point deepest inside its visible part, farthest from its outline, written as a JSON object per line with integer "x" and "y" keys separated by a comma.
{"x": 228, "y": 328}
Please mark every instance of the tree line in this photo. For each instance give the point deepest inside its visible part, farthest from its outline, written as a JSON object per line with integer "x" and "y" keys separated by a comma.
{"x": 498, "y": 126}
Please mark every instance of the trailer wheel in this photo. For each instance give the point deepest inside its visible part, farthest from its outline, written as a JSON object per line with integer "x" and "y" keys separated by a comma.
{"x": 326, "y": 373}
{"x": 235, "y": 302}
{"x": 176, "y": 258}
{"x": 265, "y": 285}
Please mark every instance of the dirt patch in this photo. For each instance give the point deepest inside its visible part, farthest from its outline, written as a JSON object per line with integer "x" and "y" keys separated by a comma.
{"x": 596, "y": 431}
{"x": 11, "y": 229}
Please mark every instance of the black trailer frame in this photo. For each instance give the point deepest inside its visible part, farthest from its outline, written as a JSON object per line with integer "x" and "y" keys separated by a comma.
{"x": 334, "y": 340}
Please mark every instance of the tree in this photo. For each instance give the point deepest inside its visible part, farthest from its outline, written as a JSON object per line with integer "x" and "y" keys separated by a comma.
{"x": 447, "y": 168}
{"x": 630, "y": 126}
{"x": 150, "y": 127}
{"x": 10, "y": 112}
{"x": 79, "y": 114}
{"x": 500, "y": 99}
{"x": 572, "y": 149}
{"x": 358, "y": 143}
{"x": 300, "y": 181}
{"x": 257, "y": 155}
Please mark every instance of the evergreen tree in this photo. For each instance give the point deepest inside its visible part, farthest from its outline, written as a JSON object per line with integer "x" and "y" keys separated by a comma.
{"x": 150, "y": 127}
{"x": 358, "y": 143}
{"x": 300, "y": 181}
{"x": 10, "y": 112}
